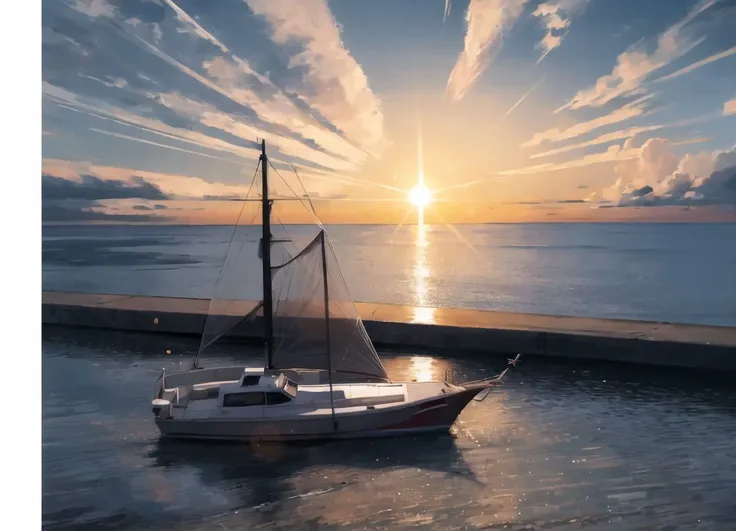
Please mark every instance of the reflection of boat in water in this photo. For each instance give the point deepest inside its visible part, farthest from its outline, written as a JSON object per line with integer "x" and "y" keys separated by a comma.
{"x": 272, "y": 476}
{"x": 322, "y": 379}
{"x": 269, "y": 460}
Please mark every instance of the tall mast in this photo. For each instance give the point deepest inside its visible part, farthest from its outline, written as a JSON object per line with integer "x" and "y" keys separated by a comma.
{"x": 266, "y": 252}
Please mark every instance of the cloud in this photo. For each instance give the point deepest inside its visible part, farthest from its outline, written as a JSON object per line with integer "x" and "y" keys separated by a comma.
{"x": 126, "y": 183}
{"x": 158, "y": 144}
{"x": 149, "y": 207}
{"x": 628, "y": 111}
{"x": 67, "y": 200}
{"x": 687, "y": 69}
{"x": 296, "y": 132}
{"x": 548, "y": 203}
{"x": 94, "y": 8}
{"x": 614, "y": 153}
{"x": 635, "y": 65}
{"x": 627, "y": 134}
{"x": 487, "y": 22}
{"x": 91, "y": 188}
{"x": 448, "y": 7}
{"x": 91, "y": 212}
{"x": 729, "y": 107}
{"x": 194, "y": 26}
{"x": 238, "y": 78}
{"x": 556, "y": 16}
{"x": 147, "y": 124}
{"x": 658, "y": 177}
{"x": 210, "y": 116}
{"x": 205, "y": 117}
{"x": 622, "y": 134}
{"x": 689, "y": 141}
{"x": 333, "y": 82}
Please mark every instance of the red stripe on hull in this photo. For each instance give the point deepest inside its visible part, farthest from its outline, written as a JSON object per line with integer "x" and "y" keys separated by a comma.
{"x": 440, "y": 412}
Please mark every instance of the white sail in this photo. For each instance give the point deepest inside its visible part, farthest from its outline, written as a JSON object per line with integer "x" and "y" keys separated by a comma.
{"x": 316, "y": 324}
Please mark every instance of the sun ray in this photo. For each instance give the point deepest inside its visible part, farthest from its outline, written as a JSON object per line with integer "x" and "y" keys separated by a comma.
{"x": 455, "y": 232}
{"x": 401, "y": 223}
{"x": 420, "y": 196}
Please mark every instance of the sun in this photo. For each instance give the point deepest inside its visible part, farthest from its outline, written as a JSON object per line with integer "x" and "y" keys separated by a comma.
{"x": 420, "y": 196}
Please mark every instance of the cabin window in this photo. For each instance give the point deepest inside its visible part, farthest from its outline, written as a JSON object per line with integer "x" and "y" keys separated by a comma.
{"x": 273, "y": 399}
{"x": 290, "y": 388}
{"x": 243, "y": 399}
{"x": 250, "y": 380}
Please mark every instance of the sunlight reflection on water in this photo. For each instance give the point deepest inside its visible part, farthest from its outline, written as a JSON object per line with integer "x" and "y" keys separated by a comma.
{"x": 558, "y": 446}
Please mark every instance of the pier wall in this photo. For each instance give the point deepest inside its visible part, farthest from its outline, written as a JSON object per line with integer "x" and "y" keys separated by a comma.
{"x": 432, "y": 329}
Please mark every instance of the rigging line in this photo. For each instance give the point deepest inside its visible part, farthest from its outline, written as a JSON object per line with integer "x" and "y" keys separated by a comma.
{"x": 246, "y": 317}
{"x": 355, "y": 308}
{"x": 312, "y": 212}
{"x": 288, "y": 236}
{"x": 326, "y": 240}
{"x": 230, "y": 243}
{"x": 293, "y": 191}
{"x": 299, "y": 179}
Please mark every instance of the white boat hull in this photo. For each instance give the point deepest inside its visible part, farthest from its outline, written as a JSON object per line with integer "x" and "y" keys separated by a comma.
{"x": 433, "y": 414}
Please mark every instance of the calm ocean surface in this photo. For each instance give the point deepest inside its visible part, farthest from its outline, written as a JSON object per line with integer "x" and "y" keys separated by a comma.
{"x": 663, "y": 272}
{"x": 559, "y": 447}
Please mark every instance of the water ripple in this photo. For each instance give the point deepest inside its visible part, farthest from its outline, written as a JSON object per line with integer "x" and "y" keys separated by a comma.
{"x": 561, "y": 446}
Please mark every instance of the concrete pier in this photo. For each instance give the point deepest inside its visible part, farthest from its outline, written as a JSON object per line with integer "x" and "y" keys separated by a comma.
{"x": 433, "y": 329}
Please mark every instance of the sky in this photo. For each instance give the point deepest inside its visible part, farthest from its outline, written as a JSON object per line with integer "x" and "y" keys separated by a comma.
{"x": 505, "y": 110}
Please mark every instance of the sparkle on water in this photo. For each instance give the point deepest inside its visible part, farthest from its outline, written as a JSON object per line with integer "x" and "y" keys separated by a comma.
{"x": 560, "y": 446}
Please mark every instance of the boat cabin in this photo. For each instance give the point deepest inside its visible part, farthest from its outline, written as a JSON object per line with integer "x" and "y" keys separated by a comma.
{"x": 251, "y": 388}
{"x": 255, "y": 388}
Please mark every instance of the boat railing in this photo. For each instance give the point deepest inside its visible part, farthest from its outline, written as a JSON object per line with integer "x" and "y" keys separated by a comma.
{"x": 160, "y": 385}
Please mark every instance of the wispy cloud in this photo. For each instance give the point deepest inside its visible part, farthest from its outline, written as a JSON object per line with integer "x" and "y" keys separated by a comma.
{"x": 622, "y": 134}
{"x": 614, "y": 153}
{"x": 160, "y": 145}
{"x": 120, "y": 116}
{"x": 237, "y": 78}
{"x": 625, "y": 134}
{"x": 94, "y": 8}
{"x": 93, "y": 181}
{"x": 635, "y": 65}
{"x": 628, "y": 111}
{"x": 556, "y": 16}
{"x": 729, "y": 107}
{"x": 352, "y": 123}
{"x": 690, "y": 141}
{"x": 487, "y": 22}
{"x": 708, "y": 60}
{"x": 194, "y": 26}
{"x": 523, "y": 97}
{"x": 90, "y": 187}
{"x": 448, "y": 7}
{"x": 334, "y": 83}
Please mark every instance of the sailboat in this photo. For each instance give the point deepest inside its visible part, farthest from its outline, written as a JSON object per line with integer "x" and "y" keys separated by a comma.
{"x": 322, "y": 377}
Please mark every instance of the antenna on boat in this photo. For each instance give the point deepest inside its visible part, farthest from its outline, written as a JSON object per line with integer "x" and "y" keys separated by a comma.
{"x": 266, "y": 262}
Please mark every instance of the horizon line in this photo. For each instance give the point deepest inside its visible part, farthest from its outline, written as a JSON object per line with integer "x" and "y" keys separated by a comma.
{"x": 377, "y": 224}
